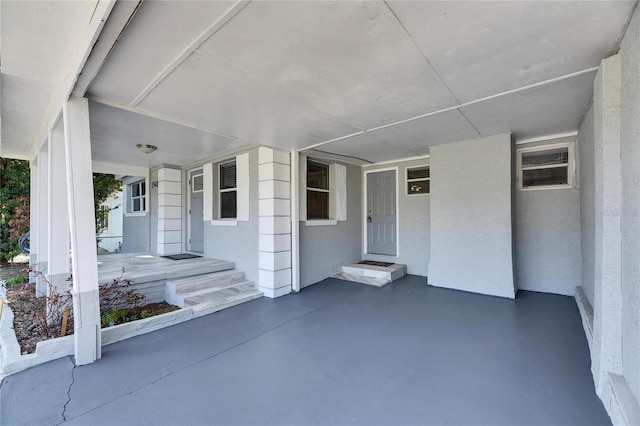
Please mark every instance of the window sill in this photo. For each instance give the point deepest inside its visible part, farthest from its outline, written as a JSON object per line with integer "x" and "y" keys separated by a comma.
{"x": 321, "y": 222}
{"x": 224, "y": 222}
{"x": 538, "y": 188}
{"x": 137, "y": 214}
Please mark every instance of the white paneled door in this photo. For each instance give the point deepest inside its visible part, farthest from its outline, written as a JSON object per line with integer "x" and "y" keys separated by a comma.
{"x": 381, "y": 213}
{"x": 196, "y": 199}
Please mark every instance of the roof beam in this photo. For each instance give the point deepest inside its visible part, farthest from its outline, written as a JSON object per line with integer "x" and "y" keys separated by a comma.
{"x": 119, "y": 20}
{"x": 81, "y": 52}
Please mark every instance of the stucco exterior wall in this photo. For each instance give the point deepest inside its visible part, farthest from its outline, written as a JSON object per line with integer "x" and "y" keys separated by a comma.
{"x": 548, "y": 256}
{"x": 324, "y": 249}
{"x": 135, "y": 231}
{"x": 587, "y": 203}
{"x": 471, "y": 216}
{"x": 615, "y": 132}
{"x": 413, "y": 228}
{"x": 630, "y": 221}
{"x": 238, "y": 244}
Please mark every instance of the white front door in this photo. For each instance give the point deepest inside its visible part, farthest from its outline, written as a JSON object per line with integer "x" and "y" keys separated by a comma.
{"x": 381, "y": 213}
{"x": 196, "y": 201}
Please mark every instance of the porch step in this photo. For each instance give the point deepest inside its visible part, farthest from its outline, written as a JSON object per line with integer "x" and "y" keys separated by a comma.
{"x": 210, "y": 303}
{"x": 377, "y": 276}
{"x": 210, "y": 293}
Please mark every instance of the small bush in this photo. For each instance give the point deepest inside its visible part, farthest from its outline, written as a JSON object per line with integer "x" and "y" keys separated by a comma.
{"x": 15, "y": 280}
{"x": 113, "y": 317}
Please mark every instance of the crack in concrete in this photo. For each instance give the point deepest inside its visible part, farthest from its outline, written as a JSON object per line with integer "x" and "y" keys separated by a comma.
{"x": 73, "y": 379}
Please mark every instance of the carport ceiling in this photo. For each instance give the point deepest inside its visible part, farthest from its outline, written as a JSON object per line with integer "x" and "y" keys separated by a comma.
{"x": 373, "y": 80}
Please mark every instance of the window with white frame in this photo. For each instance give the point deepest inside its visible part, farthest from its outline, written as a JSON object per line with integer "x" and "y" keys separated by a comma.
{"x": 546, "y": 167}
{"x": 317, "y": 190}
{"x": 197, "y": 183}
{"x": 228, "y": 190}
{"x": 137, "y": 197}
{"x": 418, "y": 180}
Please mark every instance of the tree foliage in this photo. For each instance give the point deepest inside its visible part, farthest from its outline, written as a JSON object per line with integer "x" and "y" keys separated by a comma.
{"x": 103, "y": 187}
{"x": 14, "y": 203}
{"x": 14, "y": 206}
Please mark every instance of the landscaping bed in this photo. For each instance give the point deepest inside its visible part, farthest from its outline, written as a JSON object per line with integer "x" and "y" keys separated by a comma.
{"x": 28, "y": 309}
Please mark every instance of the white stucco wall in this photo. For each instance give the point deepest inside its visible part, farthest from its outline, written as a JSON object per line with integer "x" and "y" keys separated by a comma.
{"x": 613, "y": 128}
{"x": 471, "y": 216}
{"x": 548, "y": 254}
{"x": 630, "y": 221}
{"x": 587, "y": 203}
{"x": 413, "y": 229}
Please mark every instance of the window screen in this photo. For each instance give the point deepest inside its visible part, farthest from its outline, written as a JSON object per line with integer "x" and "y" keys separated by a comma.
{"x": 228, "y": 192}
{"x": 545, "y": 167}
{"x": 317, "y": 190}
{"x": 418, "y": 180}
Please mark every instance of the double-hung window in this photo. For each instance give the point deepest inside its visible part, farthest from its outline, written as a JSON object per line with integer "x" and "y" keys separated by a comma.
{"x": 228, "y": 190}
{"x": 546, "y": 167}
{"x": 137, "y": 202}
{"x": 317, "y": 190}
{"x": 418, "y": 180}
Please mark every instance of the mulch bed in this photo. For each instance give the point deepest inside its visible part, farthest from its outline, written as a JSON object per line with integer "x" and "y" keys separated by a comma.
{"x": 26, "y": 306}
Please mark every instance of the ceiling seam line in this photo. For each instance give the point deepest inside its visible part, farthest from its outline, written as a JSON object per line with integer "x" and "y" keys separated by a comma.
{"x": 531, "y": 86}
{"x": 462, "y": 105}
{"x": 192, "y": 47}
{"x": 444, "y": 83}
{"x": 470, "y": 123}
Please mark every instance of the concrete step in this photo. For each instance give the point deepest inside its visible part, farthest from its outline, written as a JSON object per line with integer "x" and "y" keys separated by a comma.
{"x": 218, "y": 304}
{"x": 372, "y": 275}
{"x": 216, "y": 279}
{"x": 377, "y": 282}
{"x": 206, "y": 295}
{"x": 176, "y": 290}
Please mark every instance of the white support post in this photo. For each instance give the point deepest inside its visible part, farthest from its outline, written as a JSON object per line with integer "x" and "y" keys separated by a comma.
{"x": 169, "y": 211}
{"x": 295, "y": 222}
{"x": 42, "y": 214}
{"x": 33, "y": 217}
{"x": 86, "y": 306}
{"x": 58, "y": 225}
{"x": 274, "y": 209}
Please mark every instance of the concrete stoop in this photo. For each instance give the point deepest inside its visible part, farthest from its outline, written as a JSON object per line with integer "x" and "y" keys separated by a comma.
{"x": 377, "y": 276}
{"x": 209, "y": 293}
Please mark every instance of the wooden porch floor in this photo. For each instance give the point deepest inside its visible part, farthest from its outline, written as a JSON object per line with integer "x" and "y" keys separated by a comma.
{"x": 146, "y": 267}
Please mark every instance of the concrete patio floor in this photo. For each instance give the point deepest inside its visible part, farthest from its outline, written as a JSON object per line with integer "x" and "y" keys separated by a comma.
{"x": 336, "y": 353}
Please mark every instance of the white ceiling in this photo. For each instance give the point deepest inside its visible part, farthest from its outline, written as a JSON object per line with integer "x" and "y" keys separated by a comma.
{"x": 372, "y": 80}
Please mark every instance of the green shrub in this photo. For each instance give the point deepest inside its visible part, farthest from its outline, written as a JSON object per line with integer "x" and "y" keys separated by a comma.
{"x": 114, "y": 316}
{"x": 17, "y": 279}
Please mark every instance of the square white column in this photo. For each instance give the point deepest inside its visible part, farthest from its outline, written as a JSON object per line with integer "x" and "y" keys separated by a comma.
{"x": 86, "y": 305}
{"x": 58, "y": 221}
{"x": 169, "y": 211}
{"x": 275, "y": 222}
{"x": 33, "y": 216}
{"x": 41, "y": 242}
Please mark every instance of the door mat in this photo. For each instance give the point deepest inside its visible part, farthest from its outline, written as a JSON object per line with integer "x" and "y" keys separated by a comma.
{"x": 375, "y": 263}
{"x": 181, "y": 256}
